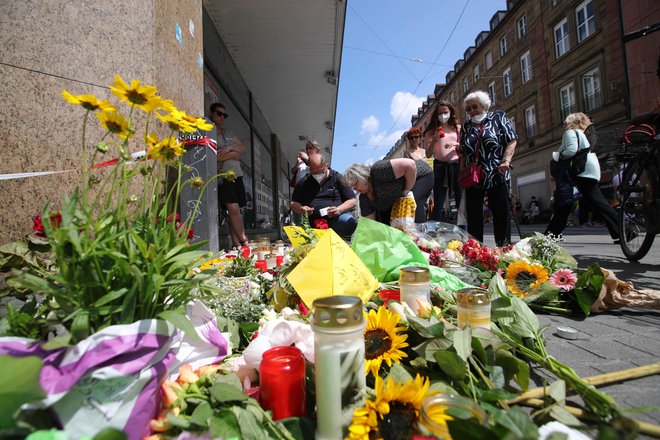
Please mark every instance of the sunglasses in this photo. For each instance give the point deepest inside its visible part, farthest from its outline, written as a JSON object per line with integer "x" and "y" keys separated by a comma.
{"x": 414, "y": 137}
{"x": 219, "y": 113}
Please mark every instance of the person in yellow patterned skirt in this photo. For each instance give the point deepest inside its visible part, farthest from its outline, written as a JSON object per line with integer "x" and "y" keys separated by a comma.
{"x": 382, "y": 185}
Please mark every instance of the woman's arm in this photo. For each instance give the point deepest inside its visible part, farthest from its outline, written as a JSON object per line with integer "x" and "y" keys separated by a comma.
{"x": 507, "y": 155}
{"x": 569, "y": 144}
{"x": 407, "y": 169}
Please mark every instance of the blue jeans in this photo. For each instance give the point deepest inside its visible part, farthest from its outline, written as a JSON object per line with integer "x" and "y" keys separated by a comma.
{"x": 344, "y": 225}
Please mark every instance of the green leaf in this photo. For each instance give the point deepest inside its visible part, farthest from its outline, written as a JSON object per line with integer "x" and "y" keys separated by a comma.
{"x": 223, "y": 392}
{"x": 516, "y": 424}
{"x": 251, "y": 429}
{"x": 562, "y": 415}
{"x": 469, "y": 430}
{"x": 110, "y": 296}
{"x": 179, "y": 320}
{"x": 429, "y": 348}
{"x": 110, "y": 434}
{"x": 399, "y": 374}
{"x": 525, "y": 324}
{"x": 462, "y": 343}
{"x": 557, "y": 390}
{"x": 80, "y": 328}
{"x": 224, "y": 425}
{"x": 496, "y": 394}
{"x": 202, "y": 415}
{"x": 178, "y": 421}
{"x": 451, "y": 364}
{"x": 17, "y": 389}
{"x": 478, "y": 351}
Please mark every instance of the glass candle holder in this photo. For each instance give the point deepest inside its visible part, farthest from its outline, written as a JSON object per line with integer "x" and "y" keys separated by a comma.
{"x": 414, "y": 285}
{"x": 338, "y": 324}
{"x": 473, "y": 306}
{"x": 282, "y": 382}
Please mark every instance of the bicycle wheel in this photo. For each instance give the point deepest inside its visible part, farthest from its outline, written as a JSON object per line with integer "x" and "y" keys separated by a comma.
{"x": 636, "y": 215}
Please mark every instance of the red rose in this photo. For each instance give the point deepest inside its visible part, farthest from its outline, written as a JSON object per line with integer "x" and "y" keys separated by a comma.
{"x": 38, "y": 226}
{"x": 440, "y": 132}
{"x": 176, "y": 216}
{"x": 321, "y": 223}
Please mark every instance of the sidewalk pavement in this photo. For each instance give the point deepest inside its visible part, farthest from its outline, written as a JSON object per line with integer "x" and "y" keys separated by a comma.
{"x": 612, "y": 341}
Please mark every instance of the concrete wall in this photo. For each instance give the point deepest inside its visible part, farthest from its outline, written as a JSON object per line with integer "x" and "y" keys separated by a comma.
{"x": 79, "y": 46}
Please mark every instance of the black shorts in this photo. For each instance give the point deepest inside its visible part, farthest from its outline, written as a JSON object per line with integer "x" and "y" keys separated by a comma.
{"x": 232, "y": 192}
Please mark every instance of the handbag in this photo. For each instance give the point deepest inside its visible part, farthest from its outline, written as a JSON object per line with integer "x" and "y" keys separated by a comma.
{"x": 472, "y": 174}
{"x": 578, "y": 162}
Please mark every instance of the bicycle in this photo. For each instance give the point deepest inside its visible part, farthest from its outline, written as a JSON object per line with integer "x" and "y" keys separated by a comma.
{"x": 639, "y": 190}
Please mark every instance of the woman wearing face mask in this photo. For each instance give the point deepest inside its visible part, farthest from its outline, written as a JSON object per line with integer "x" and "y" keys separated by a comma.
{"x": 442, "y": 140}
{"x": 493, "y": 136}
{"x": 424, "y": 183}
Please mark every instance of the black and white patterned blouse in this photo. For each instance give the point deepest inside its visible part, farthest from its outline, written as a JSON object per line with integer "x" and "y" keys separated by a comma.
{"x": 497, "y": 134}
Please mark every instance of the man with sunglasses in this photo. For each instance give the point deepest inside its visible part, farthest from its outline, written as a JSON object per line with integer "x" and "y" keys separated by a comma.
{"x": 231, "y": 195}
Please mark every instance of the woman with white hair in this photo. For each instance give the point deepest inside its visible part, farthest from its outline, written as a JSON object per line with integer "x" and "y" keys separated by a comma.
{"x": 488, "y": 138}
{"x": 380, "y": 185}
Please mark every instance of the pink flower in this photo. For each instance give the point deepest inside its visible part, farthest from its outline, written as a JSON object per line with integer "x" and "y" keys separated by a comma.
{"x": 564, "y": 279}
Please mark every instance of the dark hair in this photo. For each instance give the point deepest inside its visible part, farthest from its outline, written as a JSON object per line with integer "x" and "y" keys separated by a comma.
{"x": 453, "y": 117}
{"x": 215, "y": 105}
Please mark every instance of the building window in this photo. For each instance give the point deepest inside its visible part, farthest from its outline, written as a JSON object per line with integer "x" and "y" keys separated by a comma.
{"x": 591, "y": 87}
{"x": 525, "y": 67}
{"x": 566, "y": 101}
{"x": 488, "y": 60}
{"x": 586, "y": 22}
{"x": 512, "y": 119}
{"x": 562, "y": 43}
{"x": 475, "y": 73}
{"x": 491, "y": 92}
{"x": 504, "y": 46}
{"x": 452, "y": 97}
{"x": 466, "y": 86}
{"x": 530, "y": 122}
{"x": 506, "y": 82}
{"x": 522, "y": 27}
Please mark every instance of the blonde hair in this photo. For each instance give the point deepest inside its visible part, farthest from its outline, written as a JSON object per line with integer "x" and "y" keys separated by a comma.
{"x": 357, "y": 173}
{"x": 578, "y": 121}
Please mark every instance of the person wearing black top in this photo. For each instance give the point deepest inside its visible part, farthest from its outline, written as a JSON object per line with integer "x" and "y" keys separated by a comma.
{"x": 322, "y": 194}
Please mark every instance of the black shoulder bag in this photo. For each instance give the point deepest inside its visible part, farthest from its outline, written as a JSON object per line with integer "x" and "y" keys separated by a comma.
{"x": 579, "y": 161}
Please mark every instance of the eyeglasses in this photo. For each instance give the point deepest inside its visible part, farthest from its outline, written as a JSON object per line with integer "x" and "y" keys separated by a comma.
{"x": 472, "y": 107}
{"x": 219, "y": 113}
{"x": 414, "y": 137}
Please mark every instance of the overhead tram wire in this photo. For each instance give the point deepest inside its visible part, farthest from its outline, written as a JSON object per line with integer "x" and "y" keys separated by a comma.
{"x": 401, "y": 57}
{"x": 458, "y": 20}
{"x": 382, "y": 41}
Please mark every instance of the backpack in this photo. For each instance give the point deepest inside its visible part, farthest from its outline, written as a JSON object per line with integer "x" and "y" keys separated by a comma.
{"x": 578, "y": 162}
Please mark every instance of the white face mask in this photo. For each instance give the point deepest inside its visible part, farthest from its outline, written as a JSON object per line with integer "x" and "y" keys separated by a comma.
{"x": 478, "y": 118}
{"x": 319, "y": 177}
{"x": 443, "y": 117}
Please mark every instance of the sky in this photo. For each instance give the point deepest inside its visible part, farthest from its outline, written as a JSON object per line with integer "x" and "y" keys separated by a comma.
{"x": 394, "y": 54}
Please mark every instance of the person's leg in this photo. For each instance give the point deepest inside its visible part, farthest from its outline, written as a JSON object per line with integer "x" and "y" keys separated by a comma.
{"x": 597, "y": 201}
{"x": 559, "y": 218}
{"x": 439, "y": 190}
{"x": 236, "y": 224}
{"x": 453, "y": 183}
{"x": 344, "y": 225}
{"x": 474, "y": 207}
{"x": 421, "y": 191}
{"x": 500, "y": 207}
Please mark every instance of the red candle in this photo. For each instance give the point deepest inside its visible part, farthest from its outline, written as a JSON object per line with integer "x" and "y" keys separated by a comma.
{"x": 245, "y": 251}
{"x": 282, "y": 382}
{"x": 261, "y": 265}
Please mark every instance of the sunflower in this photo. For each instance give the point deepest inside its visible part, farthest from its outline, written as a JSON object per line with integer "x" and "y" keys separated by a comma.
{"x": 166, "y": 150}
{"x": 524, "y": 279}
{"x": 137, "y": 95}
{"x": 176, "y": 123}
{"x": 88, "y": 102}
{"x": 198, "y": 123}
{"x": 382, "y": 340}
{"x": 115, "y": 123}
{"x": 394, "y": 412}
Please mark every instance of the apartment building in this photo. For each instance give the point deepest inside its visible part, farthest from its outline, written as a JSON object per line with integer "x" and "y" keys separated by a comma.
{"x": 539, "y": 61}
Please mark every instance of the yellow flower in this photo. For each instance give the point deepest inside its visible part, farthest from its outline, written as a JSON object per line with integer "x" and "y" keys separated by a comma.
{"x": 88, "y": 102}
{"x": 115, "y": 123}
{"x": 166, "y": 150}
{"x": 396, "y": 406}
{"x": 454, "y": 245}
{"x": 524, "y": 279}
{"x": 175, "y": 123}
{"x": 197, "y": 123}
{"x": 383, "y": 340}
{"x": 230, "y": 175}
{"x": 137, "y": 95}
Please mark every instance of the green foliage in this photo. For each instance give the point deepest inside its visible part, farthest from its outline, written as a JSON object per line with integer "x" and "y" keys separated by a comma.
{"x": 17, "y": 389}
{"x": 240, "y": 267}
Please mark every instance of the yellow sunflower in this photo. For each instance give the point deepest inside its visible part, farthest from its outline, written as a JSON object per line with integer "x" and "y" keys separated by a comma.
{"x": 137, "y": 95}
{"x": 383, "y": 340}
{"x": 88, "y": 102}
{"x": 524, "y": 279}
{"x": 395, "y": 410}
{"x": 115, "y": 123}
{"x": 176, "y": 123}
{"x": 166, "y": 150}
{"x": 198, "y": 123}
